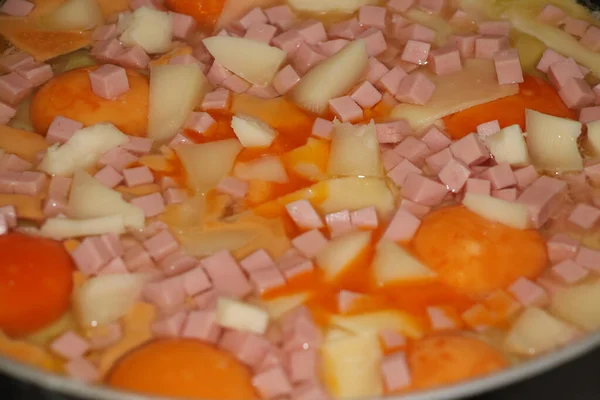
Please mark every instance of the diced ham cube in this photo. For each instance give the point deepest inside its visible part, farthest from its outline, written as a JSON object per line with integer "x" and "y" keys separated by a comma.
{"x": 400, "y": 5}
{"x": 8, "y": 179}
{"x": 366, "y": 95}
{"x": 288, "y": 41}
{"x": 306, "y": 57}
{"x": 322, "y": 128}
{"x": 199, "y": 122}
{"x": 439, "y": 319}
{"x": 138, "y": 145}
{"x": 304, "y": 215}
{"x": 569, "y": 271}
{"x": 486, "y": 46}
{"x": 584, "y": 216}
{"x": 478, "y": 186}
{"x": 161, "y": 244}
{"x": 562, "y": 247}
{"x": 454, "y": 175}
{"x": 117, "y": 158}
{"x": 248, "y": 348}
{"x": 423, "y": 190}
{"x": 82, "y": 370}
{"x": 392, "y": 132}
{"x": 391, "y": 339}
{"x": 168, "y": 294}
{"x": 236, "y": 84}
{"x": 345, "y": 300}
{"x": 561, "y": 72}
{"x": 501, "y": 176}
{"x": 331, "y": 47}
{"x": 508, "y": 66}
{"x": 263, "y": 92}
{"x": 416, "y": 32}
{"x": 272, "y": 383}
{"x": 372, "y": 16}
{"x": 541, "y": 198}
{"x": 310, "y": 243}
{"x": 202, "y": 325}
{"x": 91, "y": 255}
{"x": 589, "y": 114}
{"x": 465, "y": 44}
{"x": 107, "y": 50}
{"x": 551, "y": 14}
{"x": 365, "y": 218}
{"x": 525, "y": 176}
{"x": 9, "y": 215}
{"x": 391, "y": 80}
{"x": 591, "y": 38}
{"x": 265, "y": 279}
{"x": 470, "y": 150}
{"x": 226, "y": 275}
{"x": 195, "y": 281}
{"x": 233, "y": 187}
{"x": 549, "y": 57}
{"x": 12, "y": 162}
{"x": 109, "y": 81}
{"x": 400, "y": 172}
{"x": 136, "y": 258}
{"x": 300, "y": 268}
{"x": 70, "y": 345}
{"x": 416, "y": 52}
{"x": 312, "y": 31}
{"x": 412, "y": 149}
{"x": 217, "y": 74}
{"x": 176, "y": 263}
{"x": 17, "y": 8}
{"x": 506, "y": 194}
{"x": 36, "y": 74}
{"x": 6, "y": 113}
{"x": 10, "y": 62}
{"x": 183, "y": 25}
{"x": 134, "y": 57}
{"x": 395, "y": 371}
{"x": 418, "y": 210}
{"x": 280, "y": 16}
{"x": 260, "y": 259}
{"x": 374, "y": 40}
{"x": 488, "y": 128}
{"x": 171, "y": 326}
{"x": 252, "y": 17}
{"x": 588, "y": 258}
{"x": 528, "y": 293}
{"x": 376, "y": 70}
{"x": 105, "y": 32}
{"x": 416, "y": 88}
{"x": 576, "y": 93}
{"x": 445, "y": 60}
{"x": 137, "y": 176}
{"x": 435, "y": 139}
{"x": 346, "y": 109}
{"x": 114, "y": 266}
{"x": 574, "y": 26}
{"x": 349, "y": 29}
{"x": 30, "y": 183}
{"x": 14, "y": 88}
{"x": 494, "y": 28}
{"x": 439, "y": 160}
{"x": 106, "y": 336}
{"x": 339, "y": 223}
{"x": 285, "y": 79}
{"x": 152, "y": 204}
{"x": 217, "y": 100}
{"x": 402, "y": 227}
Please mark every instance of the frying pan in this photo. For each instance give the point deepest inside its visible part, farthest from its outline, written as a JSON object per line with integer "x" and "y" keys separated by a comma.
{"x": 41, "y": 385}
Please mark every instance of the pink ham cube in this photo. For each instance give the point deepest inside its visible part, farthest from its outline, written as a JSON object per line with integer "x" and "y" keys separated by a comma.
{"x": 465, "y": 44}
{"x": 288, "y": 41}
{"x": 435, "y": 139}
{"x": 236, "y": 84}
{"x": 82, "y": 370}
{"x": 217, "y": 74}
{"x": 137, "y": 176}
{"x": 346, "y": 109}
{"x": 10, "y": 62}
{"x": 418, "y": 210}
{"x": 170, "y": 326}
{"x": 226, "y": 274}
{"x": 528, "y": 293}
{"x": 304, "y": 215}
{"x": 105, "y": 32}
{"x": 365, "y": 218}
{"x": 549, "y": 57}
{"x": 161, "y": 244}
{"x": 152, "y": 204}
{"x": 439, "y": 319}
{"x": 402, "y": 227}
{"x": 322, "y": 128}
{"x": 331, "y": 47}
{"x": 70, "y": 345}
{"x": 374, "y": 40}
{"x": 14, "y": 88}
{"x": 30, "y": 183}
{"x": 272, "y": 383}
{"x": 265, "y": 279}
{"x": 109, "y": 81}
{"x": 285, "y": 79}
{"x": 488, "y": 128}
{"x": 416, "y": 88}
{"x": 584, "y": 216}
{"x": 574, "y": 26}
{"x": 312, "y": 31}
{"x": 310, "y": 243}
{"x": 17, "y": 8}
{"x": 217, "y": 100}
{"x": 202, "y": 325}
{"x": 339, "y": 223}
{"x": 470, "y": 150}
{"x": 349, "y": 29}
{"x": 445, "y": 60}
{"x": 416, "y": 52}
{"x": 551, "y": 14}
{"x": 439, "y": 160}
{"x": 478, "y": 186}
{"x": 508, "y": 66}
{"x": 233, "y": 187}
{"x": 392, "y": 132}
{"x": 183, "y": 25}
{"x": 376, "y": 70}
{"x": 366, "y": 95}
{"x": 252, "y": 17}
{"x": 588, "y": 258}
{"x": 423, "y": 190}
{"x": 306, "y": 57}
{"x": 487, "y": 46}
{"x": 416, "y": 32}
{"x": 525, "y": 176}
{"x": 372, "y": 16}
{"x": 399, "y": 173}
{"x": 6, "y": 113}
{"x": 280, "y": 16}
{"x": 199, "y": 122}
{"x": 412, "y": 149}
{"x": 589, "y": 114}
{"x": 541, "y": 198}
{"x": 576, "y": 93}
{"x": 91, "y": 255}
{"x": 454, "y": 175}
{"x": 562, "y": 247}
{"x": 395, "y": 371}
{"x": 591, "y": 38}
{"x": 562, "y": 71}
{"x": 118, "y": 158}
{"x": 37, "y": 74}
{"x": 569, "y": 272}
{"x": 258, "y": 260}
{"x": 391, "y": 80}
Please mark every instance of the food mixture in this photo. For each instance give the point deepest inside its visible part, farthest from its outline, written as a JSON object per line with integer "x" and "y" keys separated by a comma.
{"x": 296, "y": 200}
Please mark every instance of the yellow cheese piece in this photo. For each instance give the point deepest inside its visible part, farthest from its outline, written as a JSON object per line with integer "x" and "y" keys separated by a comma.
{"x": 475, "y": 84}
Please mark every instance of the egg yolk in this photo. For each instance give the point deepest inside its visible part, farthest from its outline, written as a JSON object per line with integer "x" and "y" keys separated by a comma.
{"x": 474, "y": 255}
{"x": 70, "y": 95}
{"x": 184, "y": 368}
{"x": 442, "y": 360}
{"x": 36, "y": 279}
